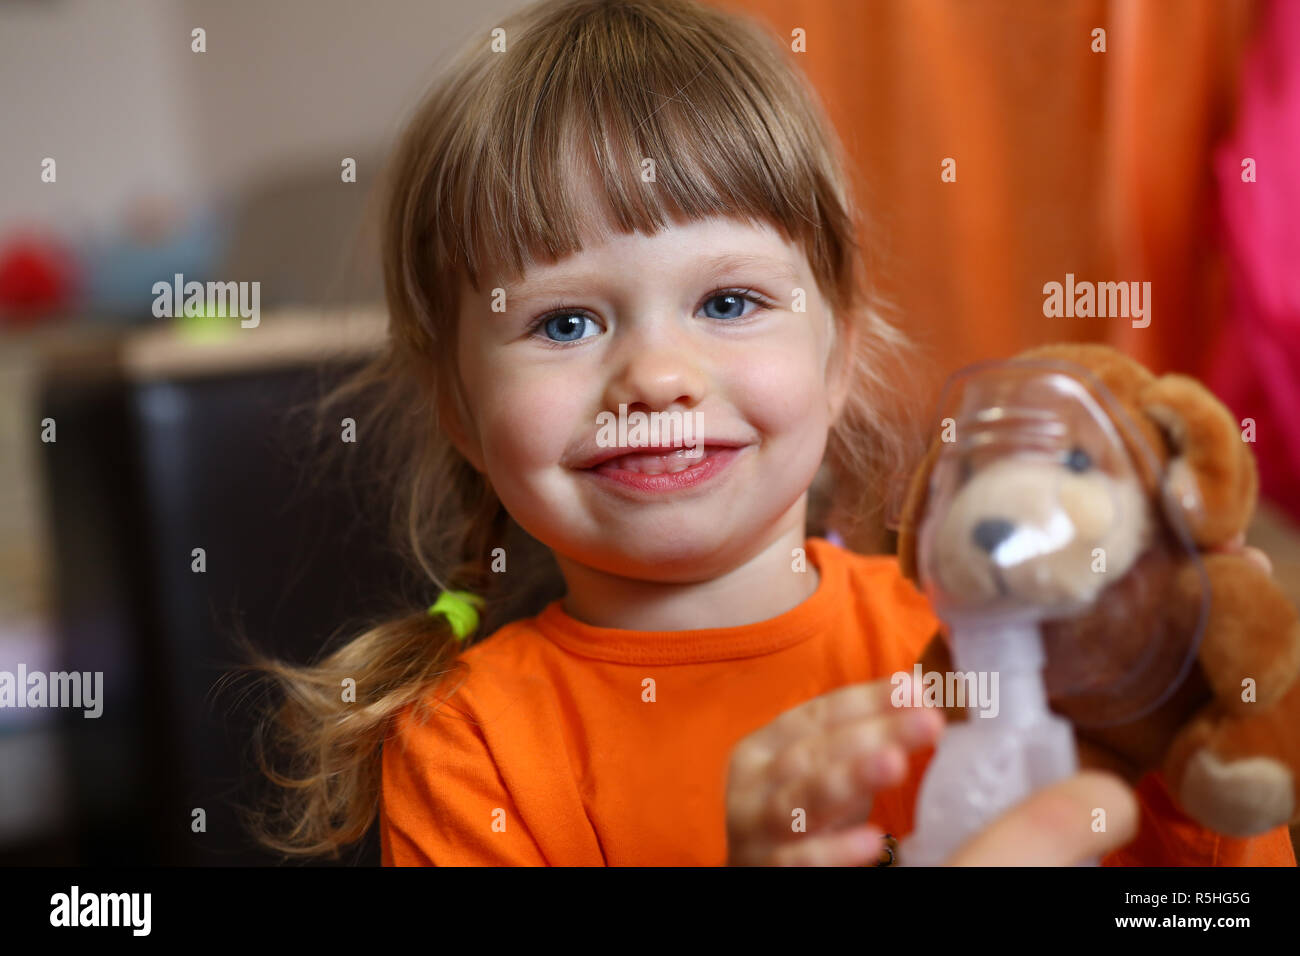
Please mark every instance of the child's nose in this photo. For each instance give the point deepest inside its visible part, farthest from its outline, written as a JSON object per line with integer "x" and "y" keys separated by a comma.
{"x": 656, "y": 376}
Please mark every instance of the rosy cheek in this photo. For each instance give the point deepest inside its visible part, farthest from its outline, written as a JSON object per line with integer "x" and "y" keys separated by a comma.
{"x": 526, "y": 426}
{"x": 780, "y": 391}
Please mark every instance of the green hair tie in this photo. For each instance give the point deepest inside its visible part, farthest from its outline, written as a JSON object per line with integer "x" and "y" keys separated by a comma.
{"x": 460, "y": 608}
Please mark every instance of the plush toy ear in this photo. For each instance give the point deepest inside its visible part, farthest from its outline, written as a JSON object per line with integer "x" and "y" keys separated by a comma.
{"x": 909, "y": 521}
{"x": 1210, "y": 477}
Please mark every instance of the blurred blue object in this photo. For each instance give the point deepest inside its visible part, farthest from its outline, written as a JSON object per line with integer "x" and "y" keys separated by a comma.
{"x": 120, "y": 270}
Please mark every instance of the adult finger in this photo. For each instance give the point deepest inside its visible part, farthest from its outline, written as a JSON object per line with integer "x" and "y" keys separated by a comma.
{"x": 1055, "y": 827}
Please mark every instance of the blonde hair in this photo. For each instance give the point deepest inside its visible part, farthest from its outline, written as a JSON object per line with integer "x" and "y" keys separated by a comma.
{"x": 598, "y": 85}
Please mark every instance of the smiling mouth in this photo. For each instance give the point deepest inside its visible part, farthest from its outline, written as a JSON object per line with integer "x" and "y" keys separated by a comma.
{"x": 657, "y": 462}
{"x": 664, "y": 471}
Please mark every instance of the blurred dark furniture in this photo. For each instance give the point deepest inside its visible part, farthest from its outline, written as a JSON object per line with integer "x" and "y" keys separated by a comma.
{"x": 148, "y": 465}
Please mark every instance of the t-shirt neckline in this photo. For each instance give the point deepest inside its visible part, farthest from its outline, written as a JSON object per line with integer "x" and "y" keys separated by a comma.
{"x": 699, "y": 645}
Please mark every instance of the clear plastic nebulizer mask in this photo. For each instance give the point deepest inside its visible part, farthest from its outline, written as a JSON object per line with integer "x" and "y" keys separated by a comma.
{"x": 1041, "y": 551}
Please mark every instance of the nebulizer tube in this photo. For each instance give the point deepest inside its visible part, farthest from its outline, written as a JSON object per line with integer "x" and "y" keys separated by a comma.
{"x": 1003, "y": 752}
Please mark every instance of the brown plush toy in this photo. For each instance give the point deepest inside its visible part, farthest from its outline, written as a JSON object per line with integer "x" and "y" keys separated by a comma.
{"x": 1227, "y": 737}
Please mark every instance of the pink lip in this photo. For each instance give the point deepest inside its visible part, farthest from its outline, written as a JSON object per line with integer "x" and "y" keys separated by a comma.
{"x": 607, "y": 454}
{"x": 716, "y": 459}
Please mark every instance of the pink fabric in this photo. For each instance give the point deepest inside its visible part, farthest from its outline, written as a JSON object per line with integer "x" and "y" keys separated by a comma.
{"x": 1256, "y": 369}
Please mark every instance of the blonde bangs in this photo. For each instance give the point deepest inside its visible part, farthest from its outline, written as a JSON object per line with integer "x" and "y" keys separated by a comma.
{"x": 625, "y": 116}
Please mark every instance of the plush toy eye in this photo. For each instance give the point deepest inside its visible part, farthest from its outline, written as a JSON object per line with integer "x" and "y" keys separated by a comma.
{"x": 1078, "y": 459}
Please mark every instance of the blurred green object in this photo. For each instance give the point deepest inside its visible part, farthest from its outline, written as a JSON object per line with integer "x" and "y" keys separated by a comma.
{"x": 211, "y": 325}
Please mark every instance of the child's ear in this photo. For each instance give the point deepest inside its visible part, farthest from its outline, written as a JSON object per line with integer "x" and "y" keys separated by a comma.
{"x": 1211, "y": 476}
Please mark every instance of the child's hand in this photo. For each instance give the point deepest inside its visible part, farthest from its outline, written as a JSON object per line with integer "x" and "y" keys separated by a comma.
{"x": 827, "y": 757}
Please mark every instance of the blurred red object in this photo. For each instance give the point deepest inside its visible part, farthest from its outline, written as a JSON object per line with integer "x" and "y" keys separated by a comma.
{"x": 37, "y": 279}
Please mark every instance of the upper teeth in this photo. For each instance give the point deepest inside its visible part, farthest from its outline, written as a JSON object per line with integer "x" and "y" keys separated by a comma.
{"x": 657, "y": 463}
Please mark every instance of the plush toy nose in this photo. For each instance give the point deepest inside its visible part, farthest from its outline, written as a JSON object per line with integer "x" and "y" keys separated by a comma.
{"x": 991, "y": 532}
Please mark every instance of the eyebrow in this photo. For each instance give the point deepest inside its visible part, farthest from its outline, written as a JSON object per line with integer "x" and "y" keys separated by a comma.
{"x": 708, "y": 266}
{"x": 771, "y": 264}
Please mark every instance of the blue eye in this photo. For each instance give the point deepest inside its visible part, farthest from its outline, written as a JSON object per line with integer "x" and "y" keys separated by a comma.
{"x": 1078, "y": 460}
{"x": 733, "y": 304}
{"x": 564, "y": 327}
{"x": 560, "y": 328}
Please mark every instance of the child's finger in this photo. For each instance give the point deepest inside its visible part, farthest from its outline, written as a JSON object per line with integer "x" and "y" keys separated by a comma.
{"x": 824, "y": 761}
{"x": 1237, "y": 545}
{"x": 821, "y": 799}
{"x": 816, "y": 716}
{"x": 1056, "y": 826}
{"x": 852, "y": 847}
{"x": 900, "y": 728}
{"x": 1259, "y": 557}
{"x": 841, "y": 791}
{"x": 834, "y": 777}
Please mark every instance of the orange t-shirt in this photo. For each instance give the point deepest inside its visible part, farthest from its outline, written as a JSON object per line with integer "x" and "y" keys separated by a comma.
{"x": 551, "y": 752}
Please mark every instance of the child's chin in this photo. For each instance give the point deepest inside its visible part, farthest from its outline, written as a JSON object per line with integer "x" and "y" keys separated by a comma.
{"x": 659, "y": 557}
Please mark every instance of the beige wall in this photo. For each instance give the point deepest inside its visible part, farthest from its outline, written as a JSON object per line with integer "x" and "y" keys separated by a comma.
{"x": 113, "y": 93}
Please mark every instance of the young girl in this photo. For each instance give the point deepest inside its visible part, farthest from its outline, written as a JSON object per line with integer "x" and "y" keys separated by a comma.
{"x": 615, "y": 209}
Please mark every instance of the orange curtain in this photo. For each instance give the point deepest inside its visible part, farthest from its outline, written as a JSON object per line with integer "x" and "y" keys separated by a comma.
{"x": 1067, "y": 160}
